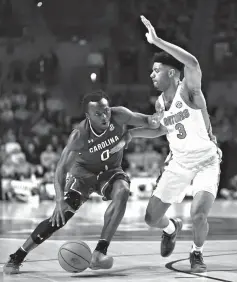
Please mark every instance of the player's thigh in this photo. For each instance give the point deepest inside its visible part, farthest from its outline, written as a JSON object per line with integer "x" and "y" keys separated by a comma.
{"x": 119, "y": 190}
{"x": 113, "y": 183}
{"x": 173, "y": 183}
{"x": 207, "y": 179}
{"x": 78, "y": 190}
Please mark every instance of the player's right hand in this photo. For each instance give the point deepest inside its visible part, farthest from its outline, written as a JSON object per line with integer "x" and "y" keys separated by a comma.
{"x": 123, "y": 143}
{"x": 151, "y": 34}
{"x": 58, "y": 217}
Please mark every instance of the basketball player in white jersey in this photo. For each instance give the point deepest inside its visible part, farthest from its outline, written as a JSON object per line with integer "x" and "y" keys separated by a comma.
{"x": 194, "y": 157}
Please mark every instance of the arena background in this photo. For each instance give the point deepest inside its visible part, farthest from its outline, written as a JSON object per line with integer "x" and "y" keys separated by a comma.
{"x": 53, "y": 52}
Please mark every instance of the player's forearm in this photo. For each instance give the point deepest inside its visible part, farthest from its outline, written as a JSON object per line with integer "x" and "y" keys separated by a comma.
{"x": 145, "y": 133}
{"x": 59, "y": 183}
{"x": 177, "y": 52}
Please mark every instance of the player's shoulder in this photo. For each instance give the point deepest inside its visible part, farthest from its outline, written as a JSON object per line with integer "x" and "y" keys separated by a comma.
{"x": 118, "y": 110}
{"x": 77, "y": 138}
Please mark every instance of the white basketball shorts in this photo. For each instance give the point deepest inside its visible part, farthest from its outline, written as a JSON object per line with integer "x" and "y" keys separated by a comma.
{"x": 177, "y": 179}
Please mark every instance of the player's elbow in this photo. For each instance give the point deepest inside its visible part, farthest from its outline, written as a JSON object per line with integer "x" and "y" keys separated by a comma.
{"x": 193, "y": 63}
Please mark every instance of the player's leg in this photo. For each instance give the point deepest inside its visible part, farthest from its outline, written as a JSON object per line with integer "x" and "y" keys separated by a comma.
{"x": 42, "y": 232}
{"x": 171, "y": 188}
{"x": 117, "y": 191}
{"x": 115, "y": 211}
{"x": 205, "y": 186}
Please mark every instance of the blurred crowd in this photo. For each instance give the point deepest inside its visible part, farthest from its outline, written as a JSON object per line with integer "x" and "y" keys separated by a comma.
{"x": 35, "y": 124}
{"x": 34, "y": 134}
{"x": 34, "y": 129}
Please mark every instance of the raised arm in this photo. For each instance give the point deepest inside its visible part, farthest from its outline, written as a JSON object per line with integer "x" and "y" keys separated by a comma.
{"x": 125, "y": 116}
{"x": 192, "y": 70}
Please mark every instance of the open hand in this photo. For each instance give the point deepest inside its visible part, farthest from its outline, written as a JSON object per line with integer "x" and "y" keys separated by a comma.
{"x": 58, "y": 217}
{"x": 151, "y": 34}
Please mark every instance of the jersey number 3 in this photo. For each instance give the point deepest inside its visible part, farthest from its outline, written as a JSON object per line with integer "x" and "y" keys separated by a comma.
{"x": 182, "y": 132}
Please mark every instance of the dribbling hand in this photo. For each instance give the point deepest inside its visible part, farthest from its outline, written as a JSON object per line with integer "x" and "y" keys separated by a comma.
{"x": 58, "y": 217}
{"x": 151, "y": 34}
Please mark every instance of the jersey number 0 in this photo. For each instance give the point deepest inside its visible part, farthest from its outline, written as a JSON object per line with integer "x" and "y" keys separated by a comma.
{"x": 105, "y": 155}
{"x": 182, "y": 132}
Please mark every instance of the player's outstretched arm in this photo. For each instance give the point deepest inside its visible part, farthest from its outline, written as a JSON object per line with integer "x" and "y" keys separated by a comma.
{"x": 138, "y": 133}
{"x": 125, "y": 116}
{"x": 147, "y": 132}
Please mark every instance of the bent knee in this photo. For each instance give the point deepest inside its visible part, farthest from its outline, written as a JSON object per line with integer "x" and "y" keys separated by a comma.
{"x": 121, "y": 192}
{"x": 198, "y": 218}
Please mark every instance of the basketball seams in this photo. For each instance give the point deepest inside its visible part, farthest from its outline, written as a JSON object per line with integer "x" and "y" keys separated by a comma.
{"x": 83, "y": 246}
{"x": 70, "y": 264}
{"x": 78, "y": 244}
{"x": 74, "y": 254}
{"x": 74, "y": 251}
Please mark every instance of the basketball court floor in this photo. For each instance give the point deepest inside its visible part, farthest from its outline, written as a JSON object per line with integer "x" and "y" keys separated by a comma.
{"x": 135, "y": 247}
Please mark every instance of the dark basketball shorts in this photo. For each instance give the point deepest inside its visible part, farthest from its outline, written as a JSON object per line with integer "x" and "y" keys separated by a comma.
{"x": 79, "y": 188}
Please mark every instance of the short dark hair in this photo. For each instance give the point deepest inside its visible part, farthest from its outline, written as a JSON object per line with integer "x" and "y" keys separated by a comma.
{"x": 93, "y": 97}
{"x": 166, "y": 59}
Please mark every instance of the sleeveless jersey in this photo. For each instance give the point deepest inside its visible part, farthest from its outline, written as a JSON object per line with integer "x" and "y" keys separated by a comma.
{"x": 188, "y": 136}
{"x": 94, "y": 155}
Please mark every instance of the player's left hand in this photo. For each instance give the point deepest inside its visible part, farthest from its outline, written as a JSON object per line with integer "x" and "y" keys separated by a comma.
{"x": 151, "y": 34}
{"x": 123, "y": 143}
{"x": 154, "y": 121}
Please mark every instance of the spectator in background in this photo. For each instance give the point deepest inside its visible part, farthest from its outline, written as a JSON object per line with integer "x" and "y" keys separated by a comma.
{"x": 6, "y": 113}
{"x": 42, "y": 128}
{"x": 136, "y": 161}
{"x": 153, "y": 161}
{"x": 37, "y": 144}
{"x": 11, "y": 145}
{"x": 55, "y": 142}
{"x": 23, "y": 169}
{"x": 48, "y": 157}
{"x": 31, "y": 154}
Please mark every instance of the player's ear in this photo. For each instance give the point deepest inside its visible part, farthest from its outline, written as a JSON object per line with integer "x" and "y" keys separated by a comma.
{"x": 171, "y": 73}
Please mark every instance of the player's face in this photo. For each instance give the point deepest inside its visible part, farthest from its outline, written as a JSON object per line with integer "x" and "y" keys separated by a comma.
{"x": 99, "y": 114}
{"x": 160, "y": 77}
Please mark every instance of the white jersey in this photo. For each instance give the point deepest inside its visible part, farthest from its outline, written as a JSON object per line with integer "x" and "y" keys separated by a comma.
{"x": 188, "y": 136}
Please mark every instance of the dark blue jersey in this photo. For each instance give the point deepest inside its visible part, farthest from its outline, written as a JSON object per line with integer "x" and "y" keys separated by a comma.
{"x": 93, "y": 150}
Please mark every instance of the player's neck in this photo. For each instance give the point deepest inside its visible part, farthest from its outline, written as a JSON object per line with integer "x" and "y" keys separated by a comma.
{"x": 96, "y": 131}
{"x": 169, "y": 94}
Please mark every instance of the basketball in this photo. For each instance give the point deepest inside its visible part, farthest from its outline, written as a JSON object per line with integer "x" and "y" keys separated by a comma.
{"x": 74, "y": 256}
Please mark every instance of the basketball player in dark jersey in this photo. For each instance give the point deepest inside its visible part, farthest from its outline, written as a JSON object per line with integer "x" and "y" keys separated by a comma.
{"x": 91, "y": 168}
